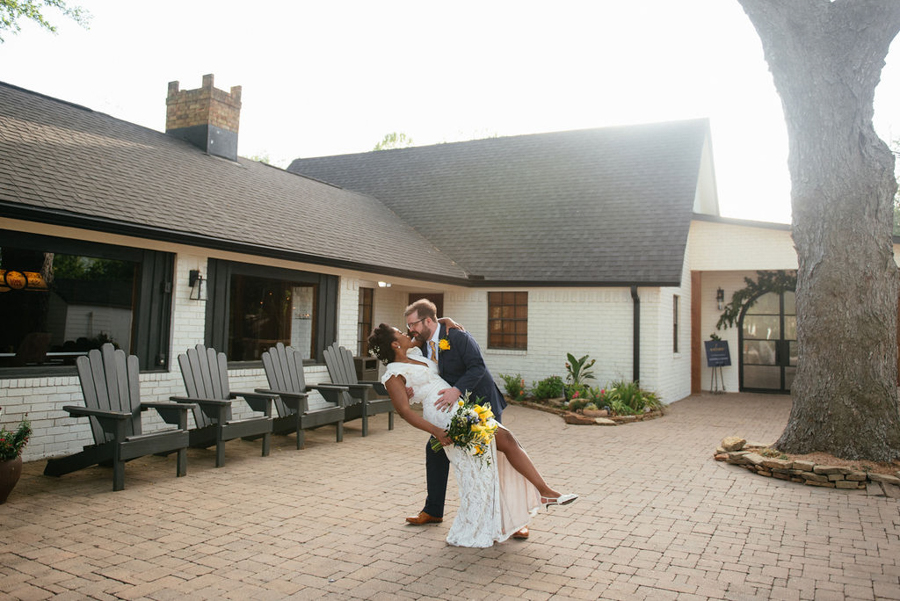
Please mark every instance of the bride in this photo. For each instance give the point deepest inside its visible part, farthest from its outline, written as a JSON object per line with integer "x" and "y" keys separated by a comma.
{"x": 496, "y": 498}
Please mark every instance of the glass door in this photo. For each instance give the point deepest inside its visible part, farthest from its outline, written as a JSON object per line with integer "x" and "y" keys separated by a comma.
{"x": 769, "y": 343}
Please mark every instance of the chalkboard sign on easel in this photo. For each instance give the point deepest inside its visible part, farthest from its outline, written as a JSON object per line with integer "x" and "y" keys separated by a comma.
{"x": 717, "y": 357}
{"x": 717, "y": 354}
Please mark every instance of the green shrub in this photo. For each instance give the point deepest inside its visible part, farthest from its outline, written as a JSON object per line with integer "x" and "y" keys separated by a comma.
{"x": 548, "y": 388}
{"x": 627, "y": 398}
{"x": 579, "y": 370}
{"x": 515, "y": 386}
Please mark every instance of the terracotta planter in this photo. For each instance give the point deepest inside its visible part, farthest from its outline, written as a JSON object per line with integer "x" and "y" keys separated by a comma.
{"x": 10, "y": 471}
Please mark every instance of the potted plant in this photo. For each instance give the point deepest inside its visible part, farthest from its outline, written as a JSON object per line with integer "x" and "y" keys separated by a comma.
{"x": 11, "y": 445}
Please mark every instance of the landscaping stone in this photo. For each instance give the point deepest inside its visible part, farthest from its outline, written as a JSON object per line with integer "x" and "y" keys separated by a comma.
{"x": 884, "y": 478}
{"x": 755, "y": 445}
{"x": 595, "y": 412}
{"x": 577, "y": 419}
{"x": 733, "y": 443}
{"x": 778, "y": 464}
{"x": 602, "y": 421}
{"x": 806, "y": 472}
{"x": 831, "y": 469}
{"x": 754, "y": 459}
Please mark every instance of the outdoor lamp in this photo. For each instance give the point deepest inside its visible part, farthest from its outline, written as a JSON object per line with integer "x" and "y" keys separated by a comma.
{"x": 720, "y": 299}
{"x": 195, "y": 280}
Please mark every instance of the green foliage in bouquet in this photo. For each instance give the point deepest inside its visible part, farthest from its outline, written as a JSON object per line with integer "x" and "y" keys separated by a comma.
{"x": 472, "y": 427}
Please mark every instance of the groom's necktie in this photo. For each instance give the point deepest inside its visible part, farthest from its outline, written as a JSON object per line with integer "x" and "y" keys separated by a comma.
{"x": 434, "y": 355}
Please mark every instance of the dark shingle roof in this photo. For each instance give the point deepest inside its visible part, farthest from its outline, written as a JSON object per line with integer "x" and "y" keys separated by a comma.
{"x": 607, "y": 206}
{"x": 66, "y": 164}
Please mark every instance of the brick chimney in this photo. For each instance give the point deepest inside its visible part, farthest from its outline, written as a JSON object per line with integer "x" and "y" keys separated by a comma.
{"x": 207, "y": 118}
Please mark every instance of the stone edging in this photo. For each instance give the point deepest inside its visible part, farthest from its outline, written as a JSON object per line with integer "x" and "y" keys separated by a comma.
{"x": 580, "y": 419}
{"x": 737, "y": 451}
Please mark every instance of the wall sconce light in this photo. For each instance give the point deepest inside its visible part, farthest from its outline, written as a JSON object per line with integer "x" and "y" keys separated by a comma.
{"x": 384, "y": 284}
{"x": 198, "y": 290}
{"x": 720, "y": 299}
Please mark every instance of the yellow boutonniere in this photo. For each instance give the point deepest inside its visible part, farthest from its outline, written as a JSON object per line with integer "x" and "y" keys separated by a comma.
{"x": 444, "y": 344}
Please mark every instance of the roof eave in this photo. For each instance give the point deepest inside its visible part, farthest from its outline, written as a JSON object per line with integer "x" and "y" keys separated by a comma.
{"x": 110, "y": 226}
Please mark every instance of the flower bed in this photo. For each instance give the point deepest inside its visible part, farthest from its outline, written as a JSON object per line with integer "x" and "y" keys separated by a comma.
{"x": 582, "y": 417}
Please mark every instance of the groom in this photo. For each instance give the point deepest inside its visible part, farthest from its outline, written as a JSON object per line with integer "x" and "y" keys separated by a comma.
{"x": 460, "y": 363}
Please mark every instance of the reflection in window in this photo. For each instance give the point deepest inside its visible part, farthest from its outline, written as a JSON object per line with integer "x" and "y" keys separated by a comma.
{"x": 58, "y": 306}
{"x": 508, "y": 320}
{"x": 364, "y": 321}
{"x": 265, "y": 312}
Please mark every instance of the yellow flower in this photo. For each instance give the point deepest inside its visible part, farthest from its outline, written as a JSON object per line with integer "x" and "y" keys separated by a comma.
{"x": 444, "y": 344}
{"x": 484, "y": 413}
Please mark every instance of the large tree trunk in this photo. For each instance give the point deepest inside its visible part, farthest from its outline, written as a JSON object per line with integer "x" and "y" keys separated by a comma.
{"x": 826, "y": 59}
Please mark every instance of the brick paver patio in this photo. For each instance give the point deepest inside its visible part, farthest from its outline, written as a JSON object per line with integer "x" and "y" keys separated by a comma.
{"x": 658, "y": 519}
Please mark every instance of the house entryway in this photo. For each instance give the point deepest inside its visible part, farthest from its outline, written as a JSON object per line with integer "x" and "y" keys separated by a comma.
{"x": 768, "y": 343}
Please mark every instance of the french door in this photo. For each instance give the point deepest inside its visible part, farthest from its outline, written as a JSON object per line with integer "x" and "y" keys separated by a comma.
{"x": 768, "y": 341}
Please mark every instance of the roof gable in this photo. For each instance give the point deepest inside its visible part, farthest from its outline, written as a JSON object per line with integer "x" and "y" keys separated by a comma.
{"x": 607, "y": 206}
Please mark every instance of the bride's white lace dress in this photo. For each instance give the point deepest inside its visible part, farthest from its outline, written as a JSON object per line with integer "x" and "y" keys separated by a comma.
{"x": 494, "y": 500}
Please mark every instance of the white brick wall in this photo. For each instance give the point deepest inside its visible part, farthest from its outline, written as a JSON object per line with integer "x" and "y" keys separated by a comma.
{"x": 583, "y": 321}
{"x": 593, "y": 321}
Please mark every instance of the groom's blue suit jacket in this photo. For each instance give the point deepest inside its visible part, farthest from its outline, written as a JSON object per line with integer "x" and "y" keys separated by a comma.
{"x": 462, "y": 365}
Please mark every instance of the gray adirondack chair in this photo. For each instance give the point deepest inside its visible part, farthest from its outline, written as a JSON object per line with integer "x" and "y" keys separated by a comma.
{"x": 371, "y": 396}
{"x": 112, "y": 397}
{"x": 284, "y": 371}
{"x": 205, "y": 374}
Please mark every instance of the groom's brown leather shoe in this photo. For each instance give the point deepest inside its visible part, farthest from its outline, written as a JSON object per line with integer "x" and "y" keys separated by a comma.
{"x": 424, "y": 518}
{"x": 521, "y": 534}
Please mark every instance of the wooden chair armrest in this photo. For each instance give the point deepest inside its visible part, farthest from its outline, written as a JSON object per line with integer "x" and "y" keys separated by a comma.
{"x": 340, "y": 395}
{"x": 294, "y": 400}
{"x": 281, "y": 393}
{"x": 333, "y": 387}
{"x": 184, "y": 399}
{"x": 171, "y": 413}
{"x": 259, "y": 402}
{"x": 345, "y": 385}
{"x": 378, "y": 386}
{"x": 165, "y": 405}
{"x": 77, "y": 411}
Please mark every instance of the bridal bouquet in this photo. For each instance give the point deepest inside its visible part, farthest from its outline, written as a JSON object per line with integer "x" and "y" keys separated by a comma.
{"x": 472, "y": 427}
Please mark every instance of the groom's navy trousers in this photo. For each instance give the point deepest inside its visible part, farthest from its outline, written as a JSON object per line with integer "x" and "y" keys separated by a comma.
{"x": 462, "y": 366}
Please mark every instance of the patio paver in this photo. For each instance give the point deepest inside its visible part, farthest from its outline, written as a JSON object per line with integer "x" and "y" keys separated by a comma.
{"x": 658, "y": 519}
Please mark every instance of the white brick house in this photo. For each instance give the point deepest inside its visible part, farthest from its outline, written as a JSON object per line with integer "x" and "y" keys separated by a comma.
{"x": 605, "y": 234}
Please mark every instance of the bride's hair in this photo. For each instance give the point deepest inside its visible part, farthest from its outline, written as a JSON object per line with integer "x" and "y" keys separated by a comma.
{"x": 380, "y": 343}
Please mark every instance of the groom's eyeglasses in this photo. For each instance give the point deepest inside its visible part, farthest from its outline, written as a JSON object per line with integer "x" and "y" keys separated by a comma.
{"x": 410, "y": 325}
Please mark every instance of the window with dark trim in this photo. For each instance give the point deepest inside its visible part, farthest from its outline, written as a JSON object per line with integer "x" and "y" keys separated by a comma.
{"x": 251, "y": 308}
{"x": 508, "y": 320}
{"x": 61, "y": 298}
{"x": 675, "y": 311}
{"x": 364, "y": 320}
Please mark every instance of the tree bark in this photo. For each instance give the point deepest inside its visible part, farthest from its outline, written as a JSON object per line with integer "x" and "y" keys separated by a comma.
{"x": 826, "y": 60}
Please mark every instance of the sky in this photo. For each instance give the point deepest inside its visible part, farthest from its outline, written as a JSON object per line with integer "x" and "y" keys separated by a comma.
{"x": 333, "y": 77}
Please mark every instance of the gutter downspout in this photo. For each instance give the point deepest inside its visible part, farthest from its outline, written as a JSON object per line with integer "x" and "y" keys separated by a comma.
{"x": 636, "y": 342}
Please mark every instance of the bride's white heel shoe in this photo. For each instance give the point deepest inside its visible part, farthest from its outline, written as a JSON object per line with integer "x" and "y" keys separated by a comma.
{"x": 560, "y": 500}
